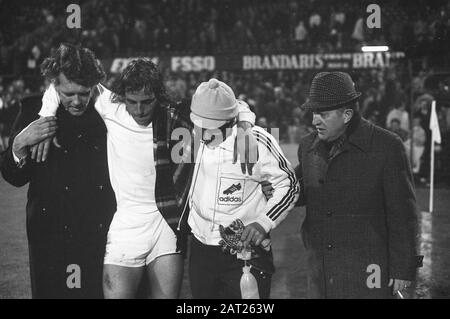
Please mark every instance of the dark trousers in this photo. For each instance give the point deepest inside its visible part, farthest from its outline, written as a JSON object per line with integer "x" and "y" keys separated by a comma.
{"x": 50, "y": 271}
{"x": 217, "y": 275}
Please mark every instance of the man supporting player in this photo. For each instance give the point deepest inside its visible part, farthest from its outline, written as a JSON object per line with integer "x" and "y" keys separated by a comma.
{"x": 70, "y": 201}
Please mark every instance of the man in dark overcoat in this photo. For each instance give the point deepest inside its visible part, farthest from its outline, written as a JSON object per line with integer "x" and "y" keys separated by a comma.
{"x": 360, "y": 225}
{"x": 70, "y": 199}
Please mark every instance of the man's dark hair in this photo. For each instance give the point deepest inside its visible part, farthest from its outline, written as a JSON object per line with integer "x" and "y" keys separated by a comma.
{"x": 395, "y": 120}
{"x": 140, "y": 74}
{"x": 78, "y": 64}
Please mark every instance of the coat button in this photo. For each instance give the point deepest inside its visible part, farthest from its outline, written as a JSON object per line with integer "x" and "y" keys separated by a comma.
{"x": 43, "y": 210}
{"x": 80, "y": 136}
{"x": 100, "y": 226}
{"x": 329, "y": 214}
{"x": 100, "y": 187}
{"x": 96, "y": 147}
{"x": 66, "y": 152}
{"x": 66, "y": 228}
{"x": 66, "y": 188}
{"x": 329, "y": 246}
{"x": 331, "y": 280}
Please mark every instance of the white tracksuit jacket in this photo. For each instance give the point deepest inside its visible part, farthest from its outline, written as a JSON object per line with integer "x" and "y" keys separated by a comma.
{"x": 221, "y": 193}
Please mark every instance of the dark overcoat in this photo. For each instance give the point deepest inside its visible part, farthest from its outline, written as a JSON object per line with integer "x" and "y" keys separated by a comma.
{"x": 360, "y": 225}
{"x": 70, "y": 204}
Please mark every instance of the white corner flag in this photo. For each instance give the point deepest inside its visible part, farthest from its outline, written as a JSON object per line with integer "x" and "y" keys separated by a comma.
{"x": 434, "y": 125}
{"x": 435, "y": 138}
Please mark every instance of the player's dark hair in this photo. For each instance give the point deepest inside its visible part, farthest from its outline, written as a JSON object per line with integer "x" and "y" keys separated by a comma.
{"x": 140, "y": 74}
{"x": 78, "y": 64}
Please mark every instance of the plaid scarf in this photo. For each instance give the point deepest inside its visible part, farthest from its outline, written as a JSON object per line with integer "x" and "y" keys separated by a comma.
{"x": 337, "y": 146}
{"x": 172, "y": 179}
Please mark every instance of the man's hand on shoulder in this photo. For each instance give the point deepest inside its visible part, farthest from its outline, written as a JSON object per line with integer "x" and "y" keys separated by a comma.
{"x": 245, "y": 147}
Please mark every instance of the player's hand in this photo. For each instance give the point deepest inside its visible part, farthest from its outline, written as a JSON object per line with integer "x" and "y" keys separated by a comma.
{"x": 34, "y": 133}
{"x": 39, "y": 152}
{"x": 267, "y": 189}
{"x": 398, "y": 285}
{"x": 37, "y": 131}
{"x": 254, "y": 234}
{"x": 245, "y": 147}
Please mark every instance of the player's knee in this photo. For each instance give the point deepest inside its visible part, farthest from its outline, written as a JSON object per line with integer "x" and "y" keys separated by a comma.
{"x": 107, "y": 282}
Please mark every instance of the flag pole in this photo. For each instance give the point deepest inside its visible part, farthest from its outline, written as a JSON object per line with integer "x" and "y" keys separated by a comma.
{"x": 435, "y": 138}
{"x": 432, "y": 172}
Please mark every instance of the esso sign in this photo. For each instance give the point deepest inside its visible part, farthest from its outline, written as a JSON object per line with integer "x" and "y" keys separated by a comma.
{"x": 193, "y": 63}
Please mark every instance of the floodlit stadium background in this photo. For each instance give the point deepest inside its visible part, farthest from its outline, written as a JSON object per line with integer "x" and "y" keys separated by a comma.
{"x": 268, "y": 52}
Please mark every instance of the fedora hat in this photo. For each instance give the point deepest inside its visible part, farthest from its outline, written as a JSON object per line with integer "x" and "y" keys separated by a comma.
{"x": 330, "y": 91}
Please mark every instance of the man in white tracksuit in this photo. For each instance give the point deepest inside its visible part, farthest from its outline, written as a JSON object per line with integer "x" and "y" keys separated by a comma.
{"x": 220, "y": 193}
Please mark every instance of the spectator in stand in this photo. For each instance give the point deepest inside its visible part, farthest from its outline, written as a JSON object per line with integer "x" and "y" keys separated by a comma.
{"x": 139, "y": 39}
{"x": 370, "y": 103}
{"x": 315, "y": 29}
{"x": 242, "y": 33}
{"x": 262, "y": 122}
{"x": 337, "y": 20}
{"x": 396, "y": 128}
{"x": 418, "y": 142}
{"x": 374, "y": 118}
{"x": 300, "y": 33}
{"x": 169, "y": 26}
{"x": 358, "y": 30}
{"x": 422, "y": 107}
{"x": 399, "y": 112}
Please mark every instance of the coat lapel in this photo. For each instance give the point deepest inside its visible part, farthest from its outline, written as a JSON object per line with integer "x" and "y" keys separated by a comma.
{"x": 359, "y": 139}
{"x": 319, "y": 160}
{"x": 362, "y": 136}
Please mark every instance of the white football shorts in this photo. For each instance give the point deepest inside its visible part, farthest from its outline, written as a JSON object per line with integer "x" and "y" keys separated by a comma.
{"x": 135, "y": 240}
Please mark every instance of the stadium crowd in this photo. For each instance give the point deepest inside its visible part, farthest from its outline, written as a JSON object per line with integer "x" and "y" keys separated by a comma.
{"x": 117, "y": 28}
{"x": 113, "y": 27}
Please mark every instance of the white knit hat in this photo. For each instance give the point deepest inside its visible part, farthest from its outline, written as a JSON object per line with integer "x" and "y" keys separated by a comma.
{"x": 213, "y": 104}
